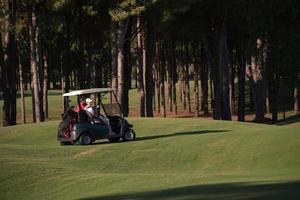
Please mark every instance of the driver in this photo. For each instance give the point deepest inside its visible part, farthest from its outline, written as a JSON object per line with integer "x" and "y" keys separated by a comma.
{"x": 89, "y": 108}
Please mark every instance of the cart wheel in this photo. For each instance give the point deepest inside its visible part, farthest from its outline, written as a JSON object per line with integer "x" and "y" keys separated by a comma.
{"x": 85, "y": 139}
{"x": 129, "y": 135}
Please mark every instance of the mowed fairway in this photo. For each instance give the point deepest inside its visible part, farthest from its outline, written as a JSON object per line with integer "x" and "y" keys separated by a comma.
{"x": 171, "y": 159}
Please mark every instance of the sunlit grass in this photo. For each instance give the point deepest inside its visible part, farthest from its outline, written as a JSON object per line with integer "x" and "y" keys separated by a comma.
{"x": 168, "y": 154}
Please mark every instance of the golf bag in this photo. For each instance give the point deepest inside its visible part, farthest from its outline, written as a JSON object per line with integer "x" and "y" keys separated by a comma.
{"x": 69, "y": 118}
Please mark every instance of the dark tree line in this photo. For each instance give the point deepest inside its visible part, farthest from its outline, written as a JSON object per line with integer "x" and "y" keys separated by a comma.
{"x": 226, "y": 57}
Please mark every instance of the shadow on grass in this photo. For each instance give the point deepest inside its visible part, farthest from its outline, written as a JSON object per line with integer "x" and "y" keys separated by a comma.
{"x": 152, "y": 137}
{"x": 289, "y": 120}
{"x": 102, "y": 142}
{"x": 226, "y": 191}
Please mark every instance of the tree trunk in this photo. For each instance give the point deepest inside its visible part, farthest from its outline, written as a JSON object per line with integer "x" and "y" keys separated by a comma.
{"x": 157, "y": 64}
{"x": 121, "y": 34}
{"x": 33, "y": 104}
{"x": 217, "y": 94}
{"x": 106, "y": 76}
{"x": 258, "y": 85}
{"x": 181, "y": 75}
{"x": 251, "y": 95}
{"x": 162, "y": 82}
{"x": 257, "y": 91}
{"x": 275, "y": 89}
{"x": 114, "y": 53}
{"x": 127, "y": 69}
{"x": 149, "y": 48}
{"x": 214, "y": 80}
{"x": 34, "y": 64}
{"x": 67, "y": 63}
{"x": 45, "y": 87}
{"x": 241, "y": 77}
{"x": 273, "y": 73}
{"x": 40, "y": 71}
{"x": 154, "y": 83}
{"x": 81, "y": 58}
{"x": 204, "y": 88}
{"x": 9, "y": 63}
{"x": 204, "y": 82}
{"x": 22, "y": 92}
{"x": 156, "y": 93}
{"x": 196, "y": 80}
{"x": 223, "y": 71}
{"x": 139, "y": 64}
{"x": 267, "y": 101}
{"x": 174, "y": 78}
{"x": 178, "y": 57}
{"x": 169, "y": 75}
{"x": 264, "y": 58}
{"x": 3, "y": 81}
{"x": 296, "y": 100}
{"x": 98, "y": 75}
{"x": 232, "y": 86}
{"x": 62, "y": 82}
{"x": 89, "y": 77}
{"x": 187, "y": 78}
{"x": 212, "y": 92}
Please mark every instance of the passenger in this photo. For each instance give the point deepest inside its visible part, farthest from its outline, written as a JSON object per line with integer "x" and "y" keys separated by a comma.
{"x": 82, "y": 105}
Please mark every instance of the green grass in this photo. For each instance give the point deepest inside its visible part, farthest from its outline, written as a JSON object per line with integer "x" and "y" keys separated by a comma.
{"x": 172, "y": 159}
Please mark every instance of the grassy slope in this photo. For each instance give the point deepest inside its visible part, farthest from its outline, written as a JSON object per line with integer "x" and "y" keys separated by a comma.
{"x": 172, "y": 159}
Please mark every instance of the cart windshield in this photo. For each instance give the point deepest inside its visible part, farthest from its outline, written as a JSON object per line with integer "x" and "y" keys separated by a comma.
{"x": 110, "y": 104}
{"x": 112, "y": 109}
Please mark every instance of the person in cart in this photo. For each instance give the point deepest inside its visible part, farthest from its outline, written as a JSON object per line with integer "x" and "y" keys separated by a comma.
{"x": 81, "y": 106}
{"x": 88, "y": 124}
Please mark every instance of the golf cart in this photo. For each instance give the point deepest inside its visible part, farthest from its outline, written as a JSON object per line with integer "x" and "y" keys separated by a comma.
{"x": 80, "y": 126}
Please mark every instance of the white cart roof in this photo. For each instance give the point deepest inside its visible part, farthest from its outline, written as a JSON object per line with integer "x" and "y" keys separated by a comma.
{"x": 88, "y": 91}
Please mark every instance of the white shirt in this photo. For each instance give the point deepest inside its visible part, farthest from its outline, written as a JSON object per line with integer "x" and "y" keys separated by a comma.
{"x": 90, "y": 110}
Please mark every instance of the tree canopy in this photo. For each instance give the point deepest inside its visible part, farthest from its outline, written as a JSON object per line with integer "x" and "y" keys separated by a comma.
{"x": 162, "y": 45}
